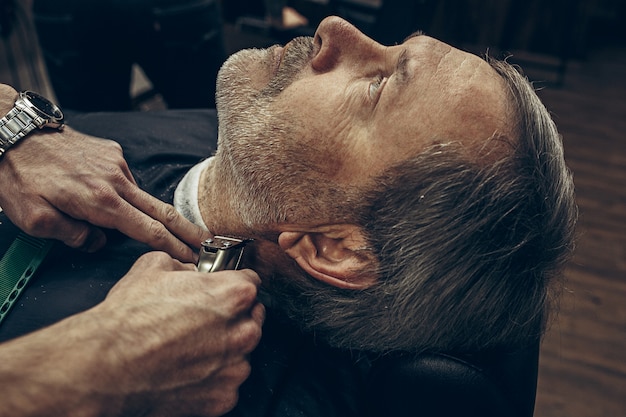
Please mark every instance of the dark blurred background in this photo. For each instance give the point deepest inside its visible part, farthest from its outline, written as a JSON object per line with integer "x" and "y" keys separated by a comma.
{"x": 555, "y": 31}
{"x": 91, "y": 39}
{"x": 573, "y": 50}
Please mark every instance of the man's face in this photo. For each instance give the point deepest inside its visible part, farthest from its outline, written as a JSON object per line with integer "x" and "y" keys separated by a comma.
{"x": 337, "y": 109}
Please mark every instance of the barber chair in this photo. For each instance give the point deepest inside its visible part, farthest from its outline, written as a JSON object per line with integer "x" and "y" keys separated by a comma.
{"x": 492, "y": 384}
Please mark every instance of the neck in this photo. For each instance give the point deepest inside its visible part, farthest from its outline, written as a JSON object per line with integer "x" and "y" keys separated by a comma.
{"x": 220, "y": 212}
{"x": 215, "y": 200}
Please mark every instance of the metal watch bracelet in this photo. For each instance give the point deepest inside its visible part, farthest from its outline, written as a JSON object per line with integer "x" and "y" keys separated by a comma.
{"x": 14, "y": 126}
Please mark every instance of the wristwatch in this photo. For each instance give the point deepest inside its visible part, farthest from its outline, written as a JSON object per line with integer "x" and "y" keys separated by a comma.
{"x": 29, "y": 112}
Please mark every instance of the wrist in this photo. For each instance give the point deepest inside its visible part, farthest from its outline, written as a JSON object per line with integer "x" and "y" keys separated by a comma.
{"x": 56, "y": 371}
{"x": 29, "y": 113}
{"x": 8, "y": 95}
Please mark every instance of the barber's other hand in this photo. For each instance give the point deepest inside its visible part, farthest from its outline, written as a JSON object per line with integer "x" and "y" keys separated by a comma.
{"x": 66, "y": 185}
{"x": 184, "y": 338}
{"x": 167, "y": 341}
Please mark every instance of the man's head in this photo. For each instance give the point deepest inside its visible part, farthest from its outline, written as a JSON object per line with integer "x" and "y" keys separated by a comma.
{"x": 421, "y": 189}
{"x": 344, "y": 108}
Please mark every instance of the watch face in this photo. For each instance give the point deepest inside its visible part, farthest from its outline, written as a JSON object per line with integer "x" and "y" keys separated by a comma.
{"x": 44, "y": 105}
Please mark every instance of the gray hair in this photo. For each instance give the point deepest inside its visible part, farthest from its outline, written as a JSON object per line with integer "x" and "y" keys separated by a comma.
{"x": 470, "y": 250}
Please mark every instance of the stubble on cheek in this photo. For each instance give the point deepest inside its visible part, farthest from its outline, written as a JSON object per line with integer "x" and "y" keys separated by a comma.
{"x": 243, "y": 74}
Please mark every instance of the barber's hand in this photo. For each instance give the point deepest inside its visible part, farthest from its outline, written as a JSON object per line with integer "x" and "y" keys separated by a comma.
{"x": 184, "y": 336}
{"x": 167, "y": 341}
{"x": 66, "y": 185}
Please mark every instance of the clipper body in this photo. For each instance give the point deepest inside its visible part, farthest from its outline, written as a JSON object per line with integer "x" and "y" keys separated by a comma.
{"x": 220, "y": 253}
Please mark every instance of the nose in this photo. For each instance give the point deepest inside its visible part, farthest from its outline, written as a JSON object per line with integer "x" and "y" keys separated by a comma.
{"x": 338, "y": 41}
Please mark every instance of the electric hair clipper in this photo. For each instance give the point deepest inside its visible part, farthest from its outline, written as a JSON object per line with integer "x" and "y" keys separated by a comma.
{"x": 220, "y": 253}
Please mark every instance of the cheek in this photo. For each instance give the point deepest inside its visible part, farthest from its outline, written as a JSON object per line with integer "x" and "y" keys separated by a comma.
{"x": 310, "y": 99}
{"x": 397, "y": 138}
{"x": 329, "y": 138}
{"x": 405, "y": 127}
{"x": 328, "y": 150}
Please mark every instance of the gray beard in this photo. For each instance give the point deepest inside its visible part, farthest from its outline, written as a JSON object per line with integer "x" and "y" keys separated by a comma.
{"x": 259, "y": 151}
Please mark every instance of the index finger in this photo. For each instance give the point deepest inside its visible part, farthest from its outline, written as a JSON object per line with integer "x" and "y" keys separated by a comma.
{"x": 159, "y": 225}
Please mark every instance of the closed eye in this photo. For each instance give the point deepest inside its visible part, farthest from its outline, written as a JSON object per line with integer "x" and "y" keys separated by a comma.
{"x": 375, "y": 87}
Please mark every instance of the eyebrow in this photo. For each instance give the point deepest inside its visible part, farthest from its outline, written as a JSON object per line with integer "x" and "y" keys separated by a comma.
{"x": 414, "y": 35}
{"x": 402, "y": 67}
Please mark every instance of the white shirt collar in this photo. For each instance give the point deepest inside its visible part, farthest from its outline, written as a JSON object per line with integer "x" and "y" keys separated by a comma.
{"x": 186, "y": 194}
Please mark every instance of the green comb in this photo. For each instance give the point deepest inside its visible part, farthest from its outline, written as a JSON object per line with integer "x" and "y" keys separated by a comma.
{"x": 17, "y": 266}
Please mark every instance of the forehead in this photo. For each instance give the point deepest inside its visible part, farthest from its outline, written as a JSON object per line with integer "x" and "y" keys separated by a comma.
{"x": 452, "y": 95}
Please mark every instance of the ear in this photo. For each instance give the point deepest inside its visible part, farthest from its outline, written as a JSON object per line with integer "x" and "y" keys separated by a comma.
{"x": 333, "y": 254}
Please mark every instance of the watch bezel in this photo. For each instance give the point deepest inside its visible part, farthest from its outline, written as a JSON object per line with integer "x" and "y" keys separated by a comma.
{"x": 46, "y": 109}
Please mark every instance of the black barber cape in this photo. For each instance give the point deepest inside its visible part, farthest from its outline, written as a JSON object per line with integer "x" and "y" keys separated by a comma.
{"x": 291, "y": 375}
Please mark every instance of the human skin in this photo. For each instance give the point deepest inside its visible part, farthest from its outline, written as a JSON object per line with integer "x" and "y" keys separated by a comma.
{"x": 68, "y": 186}
{"x": 299, "y": 122}
{"x": 351, "y": 111}
{"x": 166, "y": 341}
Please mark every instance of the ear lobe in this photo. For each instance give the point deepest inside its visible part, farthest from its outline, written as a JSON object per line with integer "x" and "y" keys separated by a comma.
{"x": 333, "y": 254}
